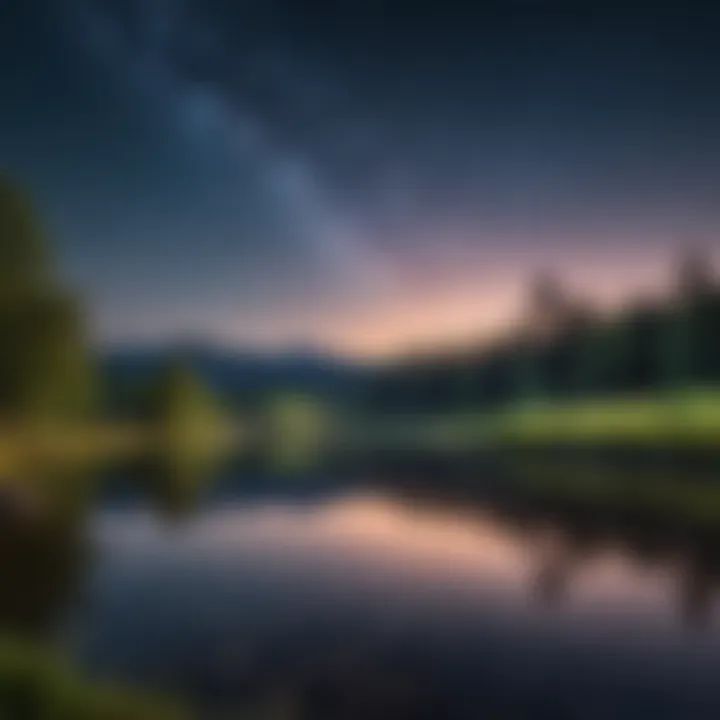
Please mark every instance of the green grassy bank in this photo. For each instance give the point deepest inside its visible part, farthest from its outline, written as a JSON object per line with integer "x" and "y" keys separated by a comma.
{"x": 684, "y": 419}
{"x": 688, "y": 418}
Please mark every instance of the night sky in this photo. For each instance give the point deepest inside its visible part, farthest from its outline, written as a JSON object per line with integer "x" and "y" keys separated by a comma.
{"x": 358, "y": 174}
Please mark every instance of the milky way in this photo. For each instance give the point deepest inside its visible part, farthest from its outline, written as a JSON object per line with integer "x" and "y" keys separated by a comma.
{"x": 267, "y": 171}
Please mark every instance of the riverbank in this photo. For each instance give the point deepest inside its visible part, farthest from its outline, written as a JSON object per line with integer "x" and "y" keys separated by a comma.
{"x": 687, "y": 419}
{"x": 51, "y": 470}
{"x": 35, "y": 683}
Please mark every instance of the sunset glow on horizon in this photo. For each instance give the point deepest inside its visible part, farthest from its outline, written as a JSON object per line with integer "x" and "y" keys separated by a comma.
{"x": 469, "y": 308}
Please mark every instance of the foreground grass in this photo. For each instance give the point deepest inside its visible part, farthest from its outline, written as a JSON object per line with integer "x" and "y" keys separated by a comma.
{"x": 35, "y": 685}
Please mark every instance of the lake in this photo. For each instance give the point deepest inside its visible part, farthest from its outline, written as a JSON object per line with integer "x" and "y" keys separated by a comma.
{"x": 369, "y": 600}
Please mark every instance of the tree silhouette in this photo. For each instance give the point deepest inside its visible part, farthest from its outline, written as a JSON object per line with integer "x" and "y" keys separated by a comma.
{"x": 693, "y": 329}
{"x": 694, "y": 276}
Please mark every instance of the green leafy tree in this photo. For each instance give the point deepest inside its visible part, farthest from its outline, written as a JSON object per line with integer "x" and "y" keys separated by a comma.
{"x": 184, "y": 409}
{"x": 25, "y": 268}
{"x": 45, "y": 372}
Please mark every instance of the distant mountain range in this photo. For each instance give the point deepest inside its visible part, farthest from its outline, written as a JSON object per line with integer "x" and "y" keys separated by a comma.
{"x": 239, "y": 372}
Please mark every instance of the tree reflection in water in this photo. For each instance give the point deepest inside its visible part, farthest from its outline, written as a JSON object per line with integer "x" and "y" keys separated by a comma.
{"x": 565, "y": 533}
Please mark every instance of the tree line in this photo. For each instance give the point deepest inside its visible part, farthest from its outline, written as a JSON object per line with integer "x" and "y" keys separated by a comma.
{"x": 565, "y": 350}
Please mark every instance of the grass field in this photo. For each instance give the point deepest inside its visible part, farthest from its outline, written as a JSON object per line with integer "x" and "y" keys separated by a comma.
{"x": 688, "y": 418}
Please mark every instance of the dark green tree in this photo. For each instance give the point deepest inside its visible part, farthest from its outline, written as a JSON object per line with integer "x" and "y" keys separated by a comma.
{"x": 693, "y": 326}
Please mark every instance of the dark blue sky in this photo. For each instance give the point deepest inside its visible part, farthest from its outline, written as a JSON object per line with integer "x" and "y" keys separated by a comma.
{"x": 359, "y": 173}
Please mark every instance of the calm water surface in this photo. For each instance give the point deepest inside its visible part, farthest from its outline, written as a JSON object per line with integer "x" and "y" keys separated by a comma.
{"x": 369, "y": 604}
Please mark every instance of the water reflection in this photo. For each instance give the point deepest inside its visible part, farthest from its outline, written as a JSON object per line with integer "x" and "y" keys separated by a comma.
{"x": 553, "y": 578}
{"x": 393, "y": 599}
{"x": 698, "y": 585}
{"x": 421, "y": 554}
{"x": 568, "y": 543}
{"x": 175, "y": 487}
